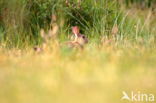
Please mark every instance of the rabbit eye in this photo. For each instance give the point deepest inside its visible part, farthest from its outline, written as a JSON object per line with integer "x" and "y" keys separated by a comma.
{"x": 83, "y": 37}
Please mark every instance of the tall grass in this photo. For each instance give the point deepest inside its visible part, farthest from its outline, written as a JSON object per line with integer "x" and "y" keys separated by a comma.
{"x": 141, "y": 3}
{"x": 21, "y": 20}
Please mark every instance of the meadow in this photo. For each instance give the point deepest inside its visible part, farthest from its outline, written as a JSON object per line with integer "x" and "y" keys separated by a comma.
{"x": 99, "y": 73}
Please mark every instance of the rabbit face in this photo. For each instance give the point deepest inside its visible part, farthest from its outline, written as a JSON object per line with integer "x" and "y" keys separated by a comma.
{"x": 82, "y": 40}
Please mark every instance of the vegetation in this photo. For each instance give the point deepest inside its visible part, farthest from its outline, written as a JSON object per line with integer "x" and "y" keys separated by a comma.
{"x": 113, "y": 61}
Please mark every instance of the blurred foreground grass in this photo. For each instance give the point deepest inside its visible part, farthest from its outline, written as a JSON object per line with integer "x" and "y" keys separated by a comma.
{"x": 98, "y": 74}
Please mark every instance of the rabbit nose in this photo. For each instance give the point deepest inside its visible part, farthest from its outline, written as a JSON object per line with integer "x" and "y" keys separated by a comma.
{"x": 86, "y": 40}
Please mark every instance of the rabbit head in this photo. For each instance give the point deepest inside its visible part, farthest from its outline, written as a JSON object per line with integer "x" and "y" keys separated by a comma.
{"x": 82, "y": 40}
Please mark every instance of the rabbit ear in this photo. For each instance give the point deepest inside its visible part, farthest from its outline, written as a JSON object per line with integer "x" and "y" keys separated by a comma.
{"x": 53, "y": 20}
{"x": 42, "y": 33}
{"x": 53, "y": 32}
{"x": 53, "y": 17}
{"x": 75, "y": 29}
{"x": 79, "y": 3}
{"x": 115, "y": 30}
{"x": 67, "y": 3}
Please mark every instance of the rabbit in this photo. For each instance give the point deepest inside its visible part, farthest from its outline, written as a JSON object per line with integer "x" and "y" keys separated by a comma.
{"x": 79, "y": 39}
{"x": 72, "y": 44}
{"x": 51, "y": 34}
{"x": 78, "y": 36}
